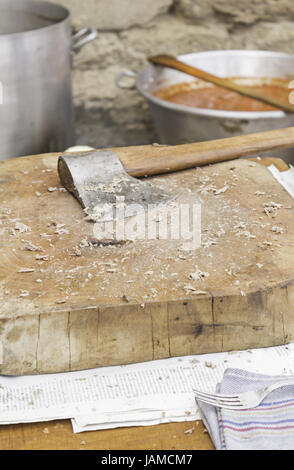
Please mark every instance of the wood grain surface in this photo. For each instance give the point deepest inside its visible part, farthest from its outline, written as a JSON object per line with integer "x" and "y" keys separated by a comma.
{"x": 58, "y": 435}
{"x": 157, "y": 159}
{"x": 67, "y": 304}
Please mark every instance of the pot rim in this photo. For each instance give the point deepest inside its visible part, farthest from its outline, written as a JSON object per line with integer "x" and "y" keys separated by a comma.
{"x": 215, "y": 113}
{"x": 55, "y": 23}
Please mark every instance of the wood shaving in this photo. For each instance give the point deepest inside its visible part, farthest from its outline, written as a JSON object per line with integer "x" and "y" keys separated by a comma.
{"x": 26, "y": 270}
{"x": 220, "y": 233}
{"x": 42, "y": 257}
{"x": 20, "y": 227}
{"x": 189, "y": 289}
{"x": 210, "y": 365}
{"x": 209, "y": 242}
{"x": 30, "y": 247}
{"x": 84, "y": 243}
{"x": 271, "y": 207}
{"x": 221, "y": 190}
{"x": 198, "y": 275}
{"x": 61, "y": 231}
{"x": 76, "y": 252}
{"x": 189, "y": 431}
{"x": 211, "y": 188}
{"x": 240, "y": 225}
{"x": 61, "y": 301}
{"x": 277, "y": 229}
{"x": 24, "y": 293}
{"x": 245, "y": 233}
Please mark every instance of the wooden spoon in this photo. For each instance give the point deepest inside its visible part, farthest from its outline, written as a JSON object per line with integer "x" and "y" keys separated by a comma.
{"x": 173, "y": 63}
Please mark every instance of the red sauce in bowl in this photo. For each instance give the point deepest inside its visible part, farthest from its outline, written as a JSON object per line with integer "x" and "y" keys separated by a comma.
{"x": 200, "y": 94}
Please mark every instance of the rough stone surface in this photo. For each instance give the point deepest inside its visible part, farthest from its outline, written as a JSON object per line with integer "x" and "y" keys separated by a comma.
{"x": 115, "y": 14}
{"x": 130, "y": 31}
{"x": 241, "y": 11}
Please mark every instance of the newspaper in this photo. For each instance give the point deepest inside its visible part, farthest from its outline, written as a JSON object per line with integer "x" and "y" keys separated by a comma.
{"x": 137, "y": 394}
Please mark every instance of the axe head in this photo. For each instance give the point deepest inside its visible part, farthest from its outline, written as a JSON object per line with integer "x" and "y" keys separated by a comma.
{"x": 105, "y": 190}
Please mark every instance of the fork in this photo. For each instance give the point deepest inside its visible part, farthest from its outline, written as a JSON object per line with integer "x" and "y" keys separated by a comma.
{"x": 243, "y": 401}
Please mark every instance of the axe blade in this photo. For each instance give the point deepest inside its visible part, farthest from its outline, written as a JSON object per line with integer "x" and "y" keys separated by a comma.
{"x": 105, "y": 190}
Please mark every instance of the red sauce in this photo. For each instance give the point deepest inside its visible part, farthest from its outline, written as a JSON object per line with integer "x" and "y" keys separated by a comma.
{"x": 210, "y": 96}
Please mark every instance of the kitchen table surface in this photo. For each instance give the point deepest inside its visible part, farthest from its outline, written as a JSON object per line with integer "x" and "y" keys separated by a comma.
{"x": 58, "y": 435}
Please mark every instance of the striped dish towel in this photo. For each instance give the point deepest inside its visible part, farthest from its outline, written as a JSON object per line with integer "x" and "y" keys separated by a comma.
{"x": 270, "y": 426}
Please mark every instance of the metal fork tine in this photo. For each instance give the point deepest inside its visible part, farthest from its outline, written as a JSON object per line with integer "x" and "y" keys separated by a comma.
{"x": 237, "y": 406}
{"x": 229, "y": 398}
{"x": 215, "y": 394}
{"x": 221, "y": 402}
{"x": 218, "y": 397}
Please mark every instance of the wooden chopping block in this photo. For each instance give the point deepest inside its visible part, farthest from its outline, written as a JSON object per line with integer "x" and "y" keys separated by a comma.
{"x": 69, "y": 305}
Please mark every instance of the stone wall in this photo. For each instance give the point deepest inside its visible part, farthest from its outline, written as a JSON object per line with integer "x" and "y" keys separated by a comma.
{"x": 130, "y": 30}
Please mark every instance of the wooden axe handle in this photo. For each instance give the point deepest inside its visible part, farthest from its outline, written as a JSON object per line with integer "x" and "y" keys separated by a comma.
{"x": 147, "y": 160}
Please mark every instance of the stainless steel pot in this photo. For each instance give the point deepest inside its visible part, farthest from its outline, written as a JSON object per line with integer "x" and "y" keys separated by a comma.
{"x": 36, "y": 49}
{"x": 176, "y": 124}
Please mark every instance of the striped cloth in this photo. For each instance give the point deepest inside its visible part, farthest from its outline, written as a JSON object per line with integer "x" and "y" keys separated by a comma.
{"x": 270, "y": 426}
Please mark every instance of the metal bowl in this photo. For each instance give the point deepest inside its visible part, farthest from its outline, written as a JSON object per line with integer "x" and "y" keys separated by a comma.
{"x": 176, "y": 124}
